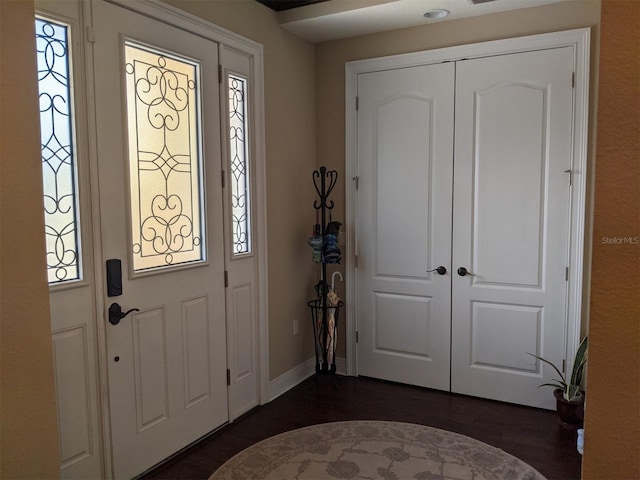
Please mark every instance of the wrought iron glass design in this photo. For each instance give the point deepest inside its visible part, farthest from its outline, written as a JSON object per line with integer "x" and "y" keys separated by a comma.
{"x": 58, "y": 159}
{"x": 239, "y": 165}
{"x": 165, "y": 167}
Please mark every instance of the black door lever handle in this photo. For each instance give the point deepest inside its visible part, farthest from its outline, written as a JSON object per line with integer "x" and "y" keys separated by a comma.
{"x": 116, "y": 314}
{"x": 441, "y": 270}
{"x": 463, "y": 271}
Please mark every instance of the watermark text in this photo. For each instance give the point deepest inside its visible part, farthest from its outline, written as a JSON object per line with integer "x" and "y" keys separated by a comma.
{"x": 620, "y": 240}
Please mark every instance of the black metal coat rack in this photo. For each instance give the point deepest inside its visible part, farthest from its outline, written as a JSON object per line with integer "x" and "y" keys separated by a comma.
{"x": 324, "y": 314}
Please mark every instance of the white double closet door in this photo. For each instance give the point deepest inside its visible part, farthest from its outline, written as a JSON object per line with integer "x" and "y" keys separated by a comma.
{"x": 462, "y": 165}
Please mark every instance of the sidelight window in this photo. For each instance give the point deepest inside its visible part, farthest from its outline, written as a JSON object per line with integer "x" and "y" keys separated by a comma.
{"x": 239, "y": 158}
{"x": 59, "y": 167}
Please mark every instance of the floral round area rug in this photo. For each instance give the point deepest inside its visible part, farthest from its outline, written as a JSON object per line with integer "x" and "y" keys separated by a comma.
{"x": 373, "y": 450}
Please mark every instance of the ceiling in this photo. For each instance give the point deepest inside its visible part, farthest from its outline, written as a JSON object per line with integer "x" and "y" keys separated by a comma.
{"x": 324, "y": 20}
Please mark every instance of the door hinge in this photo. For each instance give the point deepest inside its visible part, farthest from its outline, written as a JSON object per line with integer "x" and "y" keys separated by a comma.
{"x": 224, "y": 178}
{"x": 357, "y": 103}
{"x": 226, "y": 279}
{"x": 219, "y": 73}
{"x": 357, "y": 182}
{"x": 564, "y": 365}
{"x": 570, "y": 172}
{"x": 566, "y": 274}
{"x": 91, "y": 35}
{"x": 228, "y": 377}
{"x": 573, "y": 80}
{"x": 355, "y": 261}
{"x": 357, "y": 336}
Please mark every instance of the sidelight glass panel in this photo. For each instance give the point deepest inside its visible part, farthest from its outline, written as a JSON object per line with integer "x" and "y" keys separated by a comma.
{"x": 57, "y": 151}
{"x": 165, "y": 160}
{"x": 239, "y": 165}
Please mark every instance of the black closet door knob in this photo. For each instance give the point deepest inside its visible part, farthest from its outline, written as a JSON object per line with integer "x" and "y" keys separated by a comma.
{"x": 441, "y": 270}
{"x": 463, "y": 271}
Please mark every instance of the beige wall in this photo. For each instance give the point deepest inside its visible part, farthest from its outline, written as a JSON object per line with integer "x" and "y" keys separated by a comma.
{"x": 612, "y": 430}
{"x": 331, "y": 58}
{"x": 29, "y": 435}
{"x": 289, "y": 81}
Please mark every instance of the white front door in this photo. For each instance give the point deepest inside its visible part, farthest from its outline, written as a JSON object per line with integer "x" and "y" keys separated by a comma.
{"x": 405, "y": 165}
{"x": 511, "y": 222}
{"x": 508, "y": 225}
{"x": 159, "y": 163}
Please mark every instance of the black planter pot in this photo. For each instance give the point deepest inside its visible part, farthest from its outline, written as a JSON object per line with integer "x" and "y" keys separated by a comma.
{"x": 571, "y": 414}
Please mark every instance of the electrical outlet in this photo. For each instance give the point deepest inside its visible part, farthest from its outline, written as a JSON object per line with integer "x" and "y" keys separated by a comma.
{"x": 296, "y": 327}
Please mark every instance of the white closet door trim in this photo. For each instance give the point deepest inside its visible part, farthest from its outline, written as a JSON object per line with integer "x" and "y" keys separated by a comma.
{"x": 579, "y": 40}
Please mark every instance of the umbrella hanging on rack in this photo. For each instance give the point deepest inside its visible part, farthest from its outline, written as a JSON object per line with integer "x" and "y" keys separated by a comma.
{"x": 333, "y": 301}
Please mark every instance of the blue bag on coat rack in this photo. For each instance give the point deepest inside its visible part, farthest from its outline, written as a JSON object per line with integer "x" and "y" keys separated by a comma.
{"x": 332, "y": 253}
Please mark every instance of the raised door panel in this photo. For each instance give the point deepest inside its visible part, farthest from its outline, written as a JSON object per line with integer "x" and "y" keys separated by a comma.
{"x": 401, "y": 173}
{"x": 243, "y": 343}
{"x": 150, "y": 367}
{"x": 509, "y": 183}
{"x": 73, "y": 395}
{"x": 196, "y": 350}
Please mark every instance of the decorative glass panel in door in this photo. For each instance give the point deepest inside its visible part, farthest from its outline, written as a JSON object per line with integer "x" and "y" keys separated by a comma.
{"x": 167, "y": 225}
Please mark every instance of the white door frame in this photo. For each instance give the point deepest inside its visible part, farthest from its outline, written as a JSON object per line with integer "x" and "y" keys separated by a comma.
{"x": 173, "y": 16}
{"x": 578, "y": 39}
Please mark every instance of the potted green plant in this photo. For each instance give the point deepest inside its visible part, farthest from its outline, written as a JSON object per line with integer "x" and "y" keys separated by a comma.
{"x": 568, "y": 392}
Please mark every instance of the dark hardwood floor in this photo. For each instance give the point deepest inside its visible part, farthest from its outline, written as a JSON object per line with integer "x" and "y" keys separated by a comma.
{"x": 530, "y": 434}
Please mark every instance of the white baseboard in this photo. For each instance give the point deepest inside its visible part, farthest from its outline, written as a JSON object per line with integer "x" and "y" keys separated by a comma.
{"x": 290, "y": 379}
{"x": 341, "y": 365}
{"x": 299, "y": 374}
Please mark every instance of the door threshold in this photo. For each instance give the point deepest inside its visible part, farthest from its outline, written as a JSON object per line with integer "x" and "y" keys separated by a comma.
{"x": 180, "y": 453}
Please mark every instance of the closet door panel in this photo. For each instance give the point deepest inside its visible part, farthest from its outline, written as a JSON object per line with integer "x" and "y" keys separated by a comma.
{"x": 405, "y": 141}
{"x": 511, "y": 223}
